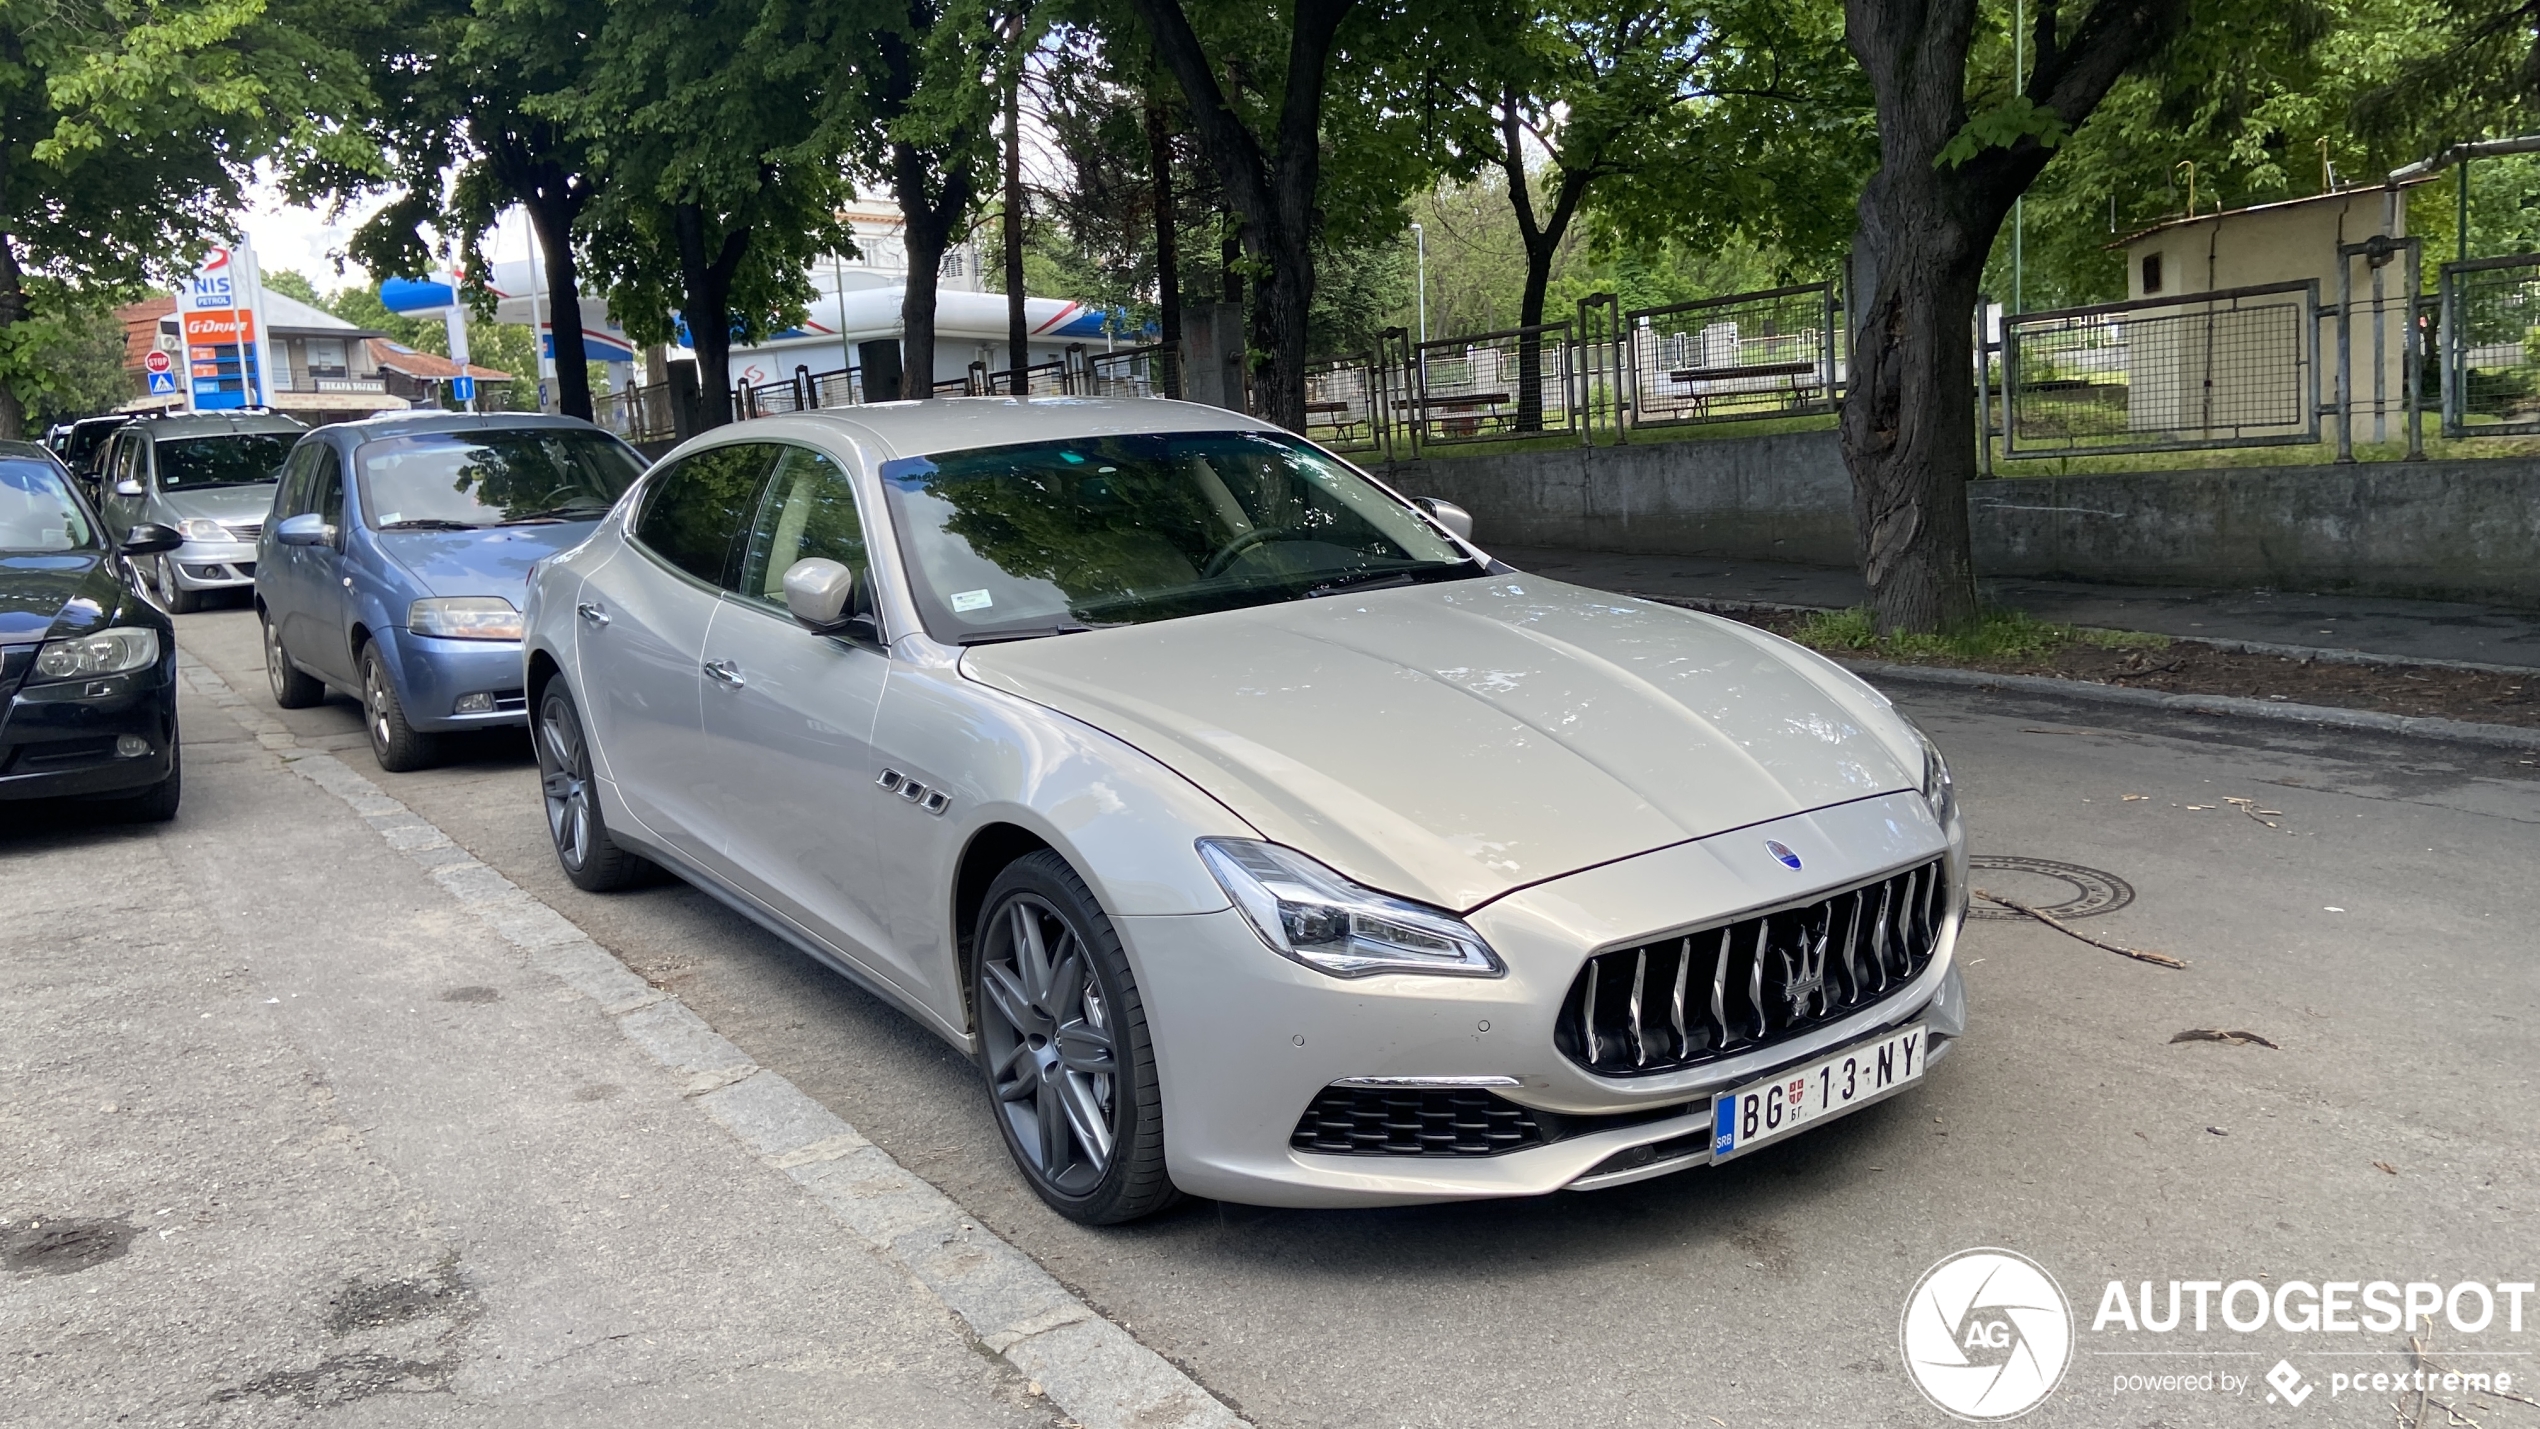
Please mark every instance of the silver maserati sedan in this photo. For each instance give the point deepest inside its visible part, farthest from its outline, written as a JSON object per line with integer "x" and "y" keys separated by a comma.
{"x": 1259, "y": 836}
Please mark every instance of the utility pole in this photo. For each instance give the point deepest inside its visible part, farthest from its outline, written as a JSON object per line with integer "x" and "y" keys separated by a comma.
{"x": 2019, "y": 206}
{"x": 1420, "y": 247}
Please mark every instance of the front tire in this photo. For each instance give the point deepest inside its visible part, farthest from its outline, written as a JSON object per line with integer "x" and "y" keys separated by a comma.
{"x": 176, "y": 598}
{"x": 1064, "y": 1049}
{"x": 575, "y": 825}
{"x": 398, "y": 746}
{"x": 292, "y": 689}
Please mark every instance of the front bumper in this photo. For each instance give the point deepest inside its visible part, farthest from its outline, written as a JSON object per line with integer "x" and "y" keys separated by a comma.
{"x": 434, "y": 675}
{"x": 214, "y": 565}
{"x": 61, "y": 740}
{"x": 1246, "y": 1039}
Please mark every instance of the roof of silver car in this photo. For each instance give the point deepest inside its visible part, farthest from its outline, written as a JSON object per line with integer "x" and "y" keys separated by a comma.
{"x": 218, "y": 424}
{"x": 945, "y": 424}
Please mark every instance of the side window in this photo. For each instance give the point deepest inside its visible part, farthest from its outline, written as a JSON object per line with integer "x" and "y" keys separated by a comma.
{"x": 328, "y": 484}
{"x": 696, "y": 510}
{"x": 292, "y": 496}
{"x": 809, "y": 510}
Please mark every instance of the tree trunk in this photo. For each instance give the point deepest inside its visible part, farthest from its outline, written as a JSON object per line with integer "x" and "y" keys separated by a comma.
{"x": 13, "y": 310}
{"x": 1927, "y": 224}
{"x": 1542, "y": 240}
{"x": 1017, "y": 329}
{"x": 553, "y": 212}
{"x": 1168, "y": 243}
{"x": 1230, "y": 254}
{"x": 926, "y": 223}
{"x": 707, "y": 278}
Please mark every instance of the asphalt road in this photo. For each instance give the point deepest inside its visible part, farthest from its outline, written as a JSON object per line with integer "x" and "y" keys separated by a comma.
{"x": 2380, "y": 931}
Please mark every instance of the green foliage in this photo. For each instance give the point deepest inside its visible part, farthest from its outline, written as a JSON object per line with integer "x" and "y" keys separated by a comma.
{"x": 1998, "y": 635}
{"x": 67, "y": 360}
{"x": 2001, "y": 126}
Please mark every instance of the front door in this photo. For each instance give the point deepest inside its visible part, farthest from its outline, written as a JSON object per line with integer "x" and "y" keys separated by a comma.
{"x": 788, "y": 716}
{"x": 643, "y": 618}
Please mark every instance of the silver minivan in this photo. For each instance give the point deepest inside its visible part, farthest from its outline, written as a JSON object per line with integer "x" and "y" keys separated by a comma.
{"x": 211, "y": 476}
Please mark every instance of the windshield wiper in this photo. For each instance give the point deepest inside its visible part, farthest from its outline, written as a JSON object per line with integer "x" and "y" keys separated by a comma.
{"x": 428, "y": 523}
{"x": 583, "y": 511}
{"x": 1365, "y": 580}
{"x": 1029, "y": 632}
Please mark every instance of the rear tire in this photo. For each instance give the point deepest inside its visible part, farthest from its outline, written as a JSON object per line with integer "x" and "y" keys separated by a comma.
{"x": 292, "y": 689}
{"x": 398, "y": 746}
{"x": 176, "y": 598}
{"x": 575, "y": 825}
{"x": 1063, "y": 1047}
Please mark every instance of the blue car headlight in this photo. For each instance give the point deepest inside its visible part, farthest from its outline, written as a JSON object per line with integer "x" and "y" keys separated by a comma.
{"x": 464, "y": 617}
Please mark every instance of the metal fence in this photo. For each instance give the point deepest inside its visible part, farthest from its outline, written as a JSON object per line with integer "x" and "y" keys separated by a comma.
{"x": 2234, "y": 368}
{"x": 1345, "y": 402}
{"x": 2489, "y": 339}
{"x": 1777, "y": 353}
{"x": 1493, "y": 385}
{"x": 638, "y": 414}
{"x": 1154, "y": 371}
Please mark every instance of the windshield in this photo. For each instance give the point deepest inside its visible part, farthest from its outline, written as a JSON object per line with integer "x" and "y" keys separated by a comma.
{"x": 449, "y": 480}
{"x": 1007, "y": 542}
{"x": 237, "y": 459}
{"x": 37, "y": 512}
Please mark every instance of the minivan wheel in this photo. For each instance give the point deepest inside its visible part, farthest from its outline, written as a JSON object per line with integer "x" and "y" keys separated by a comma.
{"x": 1064, "y": 1049}
{"x": 176, "y": 598}
{"x": 575, "y": 824}
{"x": 398, "y": 746}
{"x": 292, "y": 688}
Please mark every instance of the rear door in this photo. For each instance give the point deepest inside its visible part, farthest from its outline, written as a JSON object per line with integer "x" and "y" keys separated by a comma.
{"x": 643, "y": 619}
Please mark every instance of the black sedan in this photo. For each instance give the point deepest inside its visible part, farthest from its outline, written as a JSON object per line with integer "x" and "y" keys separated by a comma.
{"x": 87, "y": 662}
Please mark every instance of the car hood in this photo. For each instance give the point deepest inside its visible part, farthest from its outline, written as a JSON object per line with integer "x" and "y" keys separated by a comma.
{"x": 492, "y": 560}
{"x": 230, "y": 505}
{"x": 1453, "y": 742}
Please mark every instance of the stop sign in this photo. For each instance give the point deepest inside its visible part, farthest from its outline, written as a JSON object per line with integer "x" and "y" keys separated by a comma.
{"x": 156, "y": 360}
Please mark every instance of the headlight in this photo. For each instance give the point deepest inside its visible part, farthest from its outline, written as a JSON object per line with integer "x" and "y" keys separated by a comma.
{"x": 195, "y": 528}
{"x": 1307, "y": 912}
{"x": 118, "y": 651}
{"x": 465, "y": 617}
{"x": 1938, "y": 790}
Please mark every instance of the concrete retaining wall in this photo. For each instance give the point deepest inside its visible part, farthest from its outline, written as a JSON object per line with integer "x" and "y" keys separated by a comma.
{"x": 2458, "y": 530}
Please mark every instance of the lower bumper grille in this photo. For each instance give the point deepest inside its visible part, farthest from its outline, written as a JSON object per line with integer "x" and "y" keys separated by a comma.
{"x": 1356, "y": 1121}
{"x": 1683, "y": 1001}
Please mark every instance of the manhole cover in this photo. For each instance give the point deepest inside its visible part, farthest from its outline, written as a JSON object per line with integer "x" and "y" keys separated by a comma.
{"x": 2066, "y": 890}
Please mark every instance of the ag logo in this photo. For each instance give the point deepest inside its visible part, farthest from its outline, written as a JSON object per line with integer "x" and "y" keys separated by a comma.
{"x": 1987, "y": 1334}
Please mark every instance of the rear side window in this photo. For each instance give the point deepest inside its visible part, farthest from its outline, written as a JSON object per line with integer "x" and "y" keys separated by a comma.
{"x": 698, "y": 507}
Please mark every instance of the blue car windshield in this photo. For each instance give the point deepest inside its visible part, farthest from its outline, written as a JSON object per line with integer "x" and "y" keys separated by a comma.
{"x": 1013, "y": 542}
{"x": 442, "y": 481}
{"x": 37, "y": 511}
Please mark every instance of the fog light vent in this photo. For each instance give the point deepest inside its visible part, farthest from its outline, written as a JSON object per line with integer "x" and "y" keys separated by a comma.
{"x": 482, "y": 702}
{"x": 131, "y": 746}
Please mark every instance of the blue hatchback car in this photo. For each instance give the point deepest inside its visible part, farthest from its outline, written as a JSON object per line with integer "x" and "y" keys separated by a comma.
{"x": 397, "y": 555}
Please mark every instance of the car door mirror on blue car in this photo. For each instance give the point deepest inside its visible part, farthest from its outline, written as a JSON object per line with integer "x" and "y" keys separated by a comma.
{"x": 820, "y": 593}
{"x": 306, "y": 529}
{"x": 149, "y": 538}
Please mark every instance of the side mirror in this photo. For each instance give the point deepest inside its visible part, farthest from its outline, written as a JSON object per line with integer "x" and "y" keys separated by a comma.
{"x": 1453, "y": 517}
{"x": 819, "y": 592}
{"x": 149, "y": 538}
{"x": 306, "y": 529}
{"x": 127, "y": 487}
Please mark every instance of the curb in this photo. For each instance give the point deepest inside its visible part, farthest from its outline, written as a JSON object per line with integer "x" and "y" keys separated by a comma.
{"x": 2498, "y": 736}
{"x": 1090, "y": 1368}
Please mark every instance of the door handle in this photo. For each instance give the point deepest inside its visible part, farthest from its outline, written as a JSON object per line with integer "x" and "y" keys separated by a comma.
{"x": 725, "y": 673}
{"x": 591, "y": 613}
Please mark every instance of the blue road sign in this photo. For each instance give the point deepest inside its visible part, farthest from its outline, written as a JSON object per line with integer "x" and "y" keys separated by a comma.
{"x": 162, "y": 384}
{"x": 463, "y": 388}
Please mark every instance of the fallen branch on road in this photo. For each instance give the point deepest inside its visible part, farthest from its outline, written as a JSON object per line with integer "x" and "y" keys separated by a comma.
{"x": 2060, "y": 926}
{"x": 2234, "y": 1036}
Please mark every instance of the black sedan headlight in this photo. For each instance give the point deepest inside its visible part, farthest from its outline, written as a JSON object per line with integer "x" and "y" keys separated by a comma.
{"x": 116, "y": 651}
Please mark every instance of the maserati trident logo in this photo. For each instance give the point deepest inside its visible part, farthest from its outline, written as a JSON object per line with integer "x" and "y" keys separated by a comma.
{"x": 1804, "y": 978}
{"x": 1781, "y": 851}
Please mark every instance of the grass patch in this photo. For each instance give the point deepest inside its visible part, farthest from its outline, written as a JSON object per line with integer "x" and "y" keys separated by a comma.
{"x": 1999, "y": 636}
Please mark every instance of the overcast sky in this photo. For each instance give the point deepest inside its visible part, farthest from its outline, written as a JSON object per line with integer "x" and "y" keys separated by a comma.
{"x": 286, "y": 236}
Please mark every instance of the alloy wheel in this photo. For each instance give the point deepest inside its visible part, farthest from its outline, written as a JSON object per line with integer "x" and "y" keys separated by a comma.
{"x": 169, "y": 590}
{"x": 277, "y": 665}
{"x": 375, "y": 705}
{"x": 1049, "y": 1043}
{"x": 564, "y": 778}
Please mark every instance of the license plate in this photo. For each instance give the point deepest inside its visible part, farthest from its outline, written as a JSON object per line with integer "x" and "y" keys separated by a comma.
{"x": 1761, "y": 1111}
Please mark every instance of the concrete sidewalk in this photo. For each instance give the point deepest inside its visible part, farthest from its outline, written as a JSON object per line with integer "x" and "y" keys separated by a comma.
{"x": 295, "y": 1138}
{"x": 2406, "y": 629}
